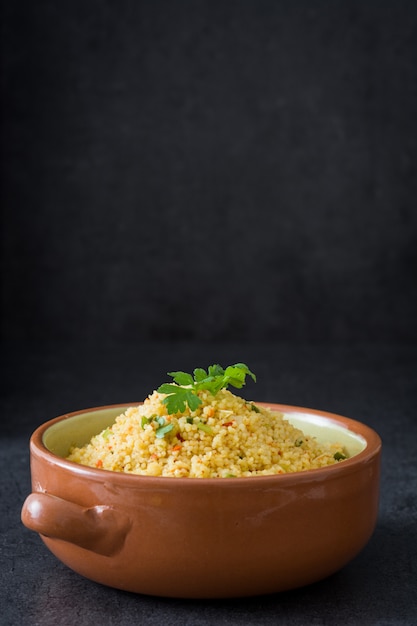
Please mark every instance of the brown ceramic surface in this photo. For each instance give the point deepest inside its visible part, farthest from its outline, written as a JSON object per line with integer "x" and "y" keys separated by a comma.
{"x": 203, "y": 538}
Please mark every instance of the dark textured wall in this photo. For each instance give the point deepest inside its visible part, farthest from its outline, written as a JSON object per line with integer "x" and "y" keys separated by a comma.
{"x": 209, "y": 170}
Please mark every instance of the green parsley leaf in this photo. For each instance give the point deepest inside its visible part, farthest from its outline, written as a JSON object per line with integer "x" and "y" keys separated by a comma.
{"x": 239, "y": 372}
{"x": 181, "y": 378}
{"x": 199, "y": 374}
{"x": 185, "y": 391}
{"x": 168, "y": 388}
{"x": 215, "y": 370}
{"x": 178, "y": 398}
{"x": 193, "y": 401}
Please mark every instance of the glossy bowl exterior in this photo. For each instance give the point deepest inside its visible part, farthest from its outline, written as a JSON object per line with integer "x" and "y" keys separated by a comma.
{"x": 205, "y": 538}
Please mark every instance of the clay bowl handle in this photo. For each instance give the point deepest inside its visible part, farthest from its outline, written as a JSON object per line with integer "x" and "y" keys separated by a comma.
{"x": 100, "y": 529}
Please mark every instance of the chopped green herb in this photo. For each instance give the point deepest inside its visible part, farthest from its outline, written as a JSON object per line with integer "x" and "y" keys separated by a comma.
{"x": 189, "y": 420}
{"x": 106, "y": 433}
{"x": 163, "y": 430}
{"x": 205, "y": 428}
{"x": 145, "y": 420}
{"x": 338, "y": 456}
{"x": 254, "y": 408}
{"x": 298, "y": 442}
{"x": 186, "y": 388}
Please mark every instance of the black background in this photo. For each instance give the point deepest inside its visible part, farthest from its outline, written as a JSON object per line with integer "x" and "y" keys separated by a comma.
{"x": 185, "y": 183}
{"x": 209, "y": 170}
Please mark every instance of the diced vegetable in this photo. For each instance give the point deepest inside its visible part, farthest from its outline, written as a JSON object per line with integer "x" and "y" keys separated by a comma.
{"x": 205, "y": 428}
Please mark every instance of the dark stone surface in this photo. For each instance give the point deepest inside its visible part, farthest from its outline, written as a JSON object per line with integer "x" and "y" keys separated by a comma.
{"x": 374, "y": 384}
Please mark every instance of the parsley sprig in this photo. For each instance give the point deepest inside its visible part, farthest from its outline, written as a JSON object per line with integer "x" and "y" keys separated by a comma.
{"x": 187, "y": 386}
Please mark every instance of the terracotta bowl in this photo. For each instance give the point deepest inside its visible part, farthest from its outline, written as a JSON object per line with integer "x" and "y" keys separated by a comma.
{"x": 203, "y": 537}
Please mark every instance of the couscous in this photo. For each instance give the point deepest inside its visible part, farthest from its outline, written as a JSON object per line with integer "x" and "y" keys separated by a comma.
{"x": 224, "y": 436}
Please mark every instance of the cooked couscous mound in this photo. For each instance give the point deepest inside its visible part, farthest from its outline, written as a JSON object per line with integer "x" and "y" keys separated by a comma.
{"x": 226, "y": 436}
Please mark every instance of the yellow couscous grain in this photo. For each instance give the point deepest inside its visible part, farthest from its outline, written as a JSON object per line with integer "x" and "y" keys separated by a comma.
{"x": 226, "y": 436}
